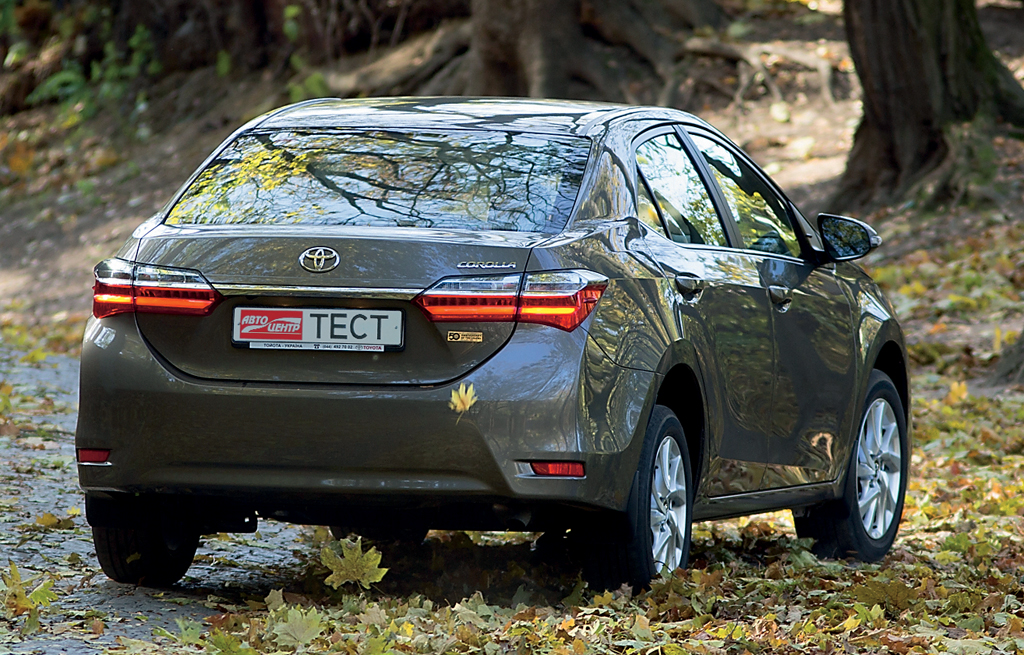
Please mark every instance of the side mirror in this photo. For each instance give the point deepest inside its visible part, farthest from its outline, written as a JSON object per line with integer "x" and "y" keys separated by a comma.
{"x": 846, "y": 238}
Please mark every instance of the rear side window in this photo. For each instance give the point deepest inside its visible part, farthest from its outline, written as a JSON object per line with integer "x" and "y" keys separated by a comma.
{"x": 679, "y": 191}
{"x": 458, "y": 180}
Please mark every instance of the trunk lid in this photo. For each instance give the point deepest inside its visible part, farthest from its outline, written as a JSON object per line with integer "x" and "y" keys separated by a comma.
{"x": 379, "y": 271}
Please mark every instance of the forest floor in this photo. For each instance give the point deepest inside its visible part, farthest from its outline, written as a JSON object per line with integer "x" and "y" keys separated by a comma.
{"x": 72, "y": 192}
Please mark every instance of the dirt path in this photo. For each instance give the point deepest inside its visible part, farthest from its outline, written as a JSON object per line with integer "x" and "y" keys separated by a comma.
{"x": 38, "y": 477}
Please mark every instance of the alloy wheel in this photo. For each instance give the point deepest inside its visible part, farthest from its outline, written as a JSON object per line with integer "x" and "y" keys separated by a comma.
{"x": 668, "y": 506}
{"x": 879, "y": 468}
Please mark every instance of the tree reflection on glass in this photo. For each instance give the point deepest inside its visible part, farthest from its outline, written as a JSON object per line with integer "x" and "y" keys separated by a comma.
{"x": 457, "y": 180}
{"x": 680, "y": 193}
{"x": 760, "y": 216}
{"x": 844, "y": 239}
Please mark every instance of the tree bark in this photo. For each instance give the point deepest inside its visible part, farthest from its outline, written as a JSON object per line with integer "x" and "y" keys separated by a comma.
{"x": 1010, "y": 368}
{"x": 923, "y": 65}
{"x": 576, "y": 48}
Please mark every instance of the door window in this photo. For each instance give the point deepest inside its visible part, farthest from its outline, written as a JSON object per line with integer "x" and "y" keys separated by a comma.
{"x": 645, "y": 209}
{"x": 758, "y": 211}
{"x": 684, "y": 200}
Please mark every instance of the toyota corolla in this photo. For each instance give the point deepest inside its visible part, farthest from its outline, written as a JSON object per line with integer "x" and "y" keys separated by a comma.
{"x": 396, "y": 315}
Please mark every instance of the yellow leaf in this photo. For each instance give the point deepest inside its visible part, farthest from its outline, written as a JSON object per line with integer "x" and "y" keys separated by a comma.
{"x": 462, "y": 399}
{"x": 353, "y": 566}
{"x": 47, "y": 520}
{"x": 850, "y": 623}
{"x": 36, "y": 356}
{"x": 957, "y": 393}
{"x": 43, "y": 594}
{"x": 16, "y": 600}
{"x": 20, "y": 161}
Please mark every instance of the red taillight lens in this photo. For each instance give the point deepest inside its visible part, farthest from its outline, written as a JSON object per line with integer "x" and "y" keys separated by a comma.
{"x": 93, "y": 455}
{"x": 124, "y": 287}
{"x": 558, "y": 469}
{"x": 472, "y": 299}
{"x": 562, "y": 299}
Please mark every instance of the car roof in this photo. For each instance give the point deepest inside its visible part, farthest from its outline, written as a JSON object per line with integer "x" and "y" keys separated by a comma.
{"x": 566, "y": 117}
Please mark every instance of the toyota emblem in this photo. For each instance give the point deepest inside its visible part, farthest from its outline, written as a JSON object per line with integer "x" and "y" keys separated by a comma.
{"x": 319, "y": 260}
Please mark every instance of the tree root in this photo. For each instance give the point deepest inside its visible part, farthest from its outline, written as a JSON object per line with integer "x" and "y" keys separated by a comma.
{"x": 508, "y": 49}
{"x": 412, "y": 65}
{"x": 752, "y": 69}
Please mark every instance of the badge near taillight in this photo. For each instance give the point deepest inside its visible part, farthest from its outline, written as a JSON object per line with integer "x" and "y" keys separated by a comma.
{"x": 122, "y": 287}
{"x": 561, "y": 299}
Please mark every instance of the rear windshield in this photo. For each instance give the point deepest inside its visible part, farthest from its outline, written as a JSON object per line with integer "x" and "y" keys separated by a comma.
{"x": 456, "y": 180}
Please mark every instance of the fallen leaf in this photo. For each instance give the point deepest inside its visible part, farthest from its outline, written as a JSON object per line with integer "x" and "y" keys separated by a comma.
{"x": 957, "y": 393}
{"x": 298, "y": 628}
{"x": 353, "y": 566}
{"x": 462, "y": 399}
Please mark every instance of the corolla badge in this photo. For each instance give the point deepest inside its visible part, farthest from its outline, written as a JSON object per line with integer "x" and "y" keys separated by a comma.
{"x": 486, "y": 265}
{"x": 319, "y": 260}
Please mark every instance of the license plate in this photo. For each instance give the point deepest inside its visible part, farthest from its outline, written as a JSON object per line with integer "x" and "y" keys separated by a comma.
{"x": 374, "y": 330}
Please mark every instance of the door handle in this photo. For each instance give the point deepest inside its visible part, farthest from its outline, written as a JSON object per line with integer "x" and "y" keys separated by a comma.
{"x": 691, "y": 287}
{"x": 781, "y": 296}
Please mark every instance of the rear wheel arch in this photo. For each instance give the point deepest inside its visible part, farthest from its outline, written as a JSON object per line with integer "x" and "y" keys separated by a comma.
{"x": 681, "y": 392}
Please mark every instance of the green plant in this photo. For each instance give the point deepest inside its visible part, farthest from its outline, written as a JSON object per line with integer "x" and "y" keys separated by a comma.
{"x": 67, "y": 84}
{"x": 8, "y": 26}
{"x": 314, "y": 86}
{"x": 291, "y": 23}
{"x": 108, "y": 81}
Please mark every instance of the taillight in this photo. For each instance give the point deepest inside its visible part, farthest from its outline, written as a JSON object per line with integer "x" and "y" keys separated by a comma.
{"x": 472, "y": 299}
{"x": 112, "y": 293}
{"x": 125, "y": 287}
{"x": 561, "y": 299}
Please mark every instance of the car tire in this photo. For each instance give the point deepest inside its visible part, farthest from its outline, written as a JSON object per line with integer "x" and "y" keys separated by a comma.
{"x": 663, "y": 488}
{"x": 863, "y": 522}
{"x": 150, "y": 556}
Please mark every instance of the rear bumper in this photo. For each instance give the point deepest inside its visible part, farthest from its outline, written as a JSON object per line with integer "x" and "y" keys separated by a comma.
{"x": 314, "y": 452}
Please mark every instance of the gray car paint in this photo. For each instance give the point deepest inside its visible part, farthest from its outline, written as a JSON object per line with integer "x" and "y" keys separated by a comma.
{"x": 284, "y": 447}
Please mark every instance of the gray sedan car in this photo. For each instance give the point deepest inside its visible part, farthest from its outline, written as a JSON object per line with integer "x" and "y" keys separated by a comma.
{"x": 394, "y": 315}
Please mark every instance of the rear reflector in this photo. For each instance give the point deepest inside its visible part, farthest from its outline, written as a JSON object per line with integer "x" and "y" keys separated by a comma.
{"x": 561, "y": 299}
{"x": 125, "y": 287}
{"x": 93, "y": 455}
{"x": 558, "y": 469}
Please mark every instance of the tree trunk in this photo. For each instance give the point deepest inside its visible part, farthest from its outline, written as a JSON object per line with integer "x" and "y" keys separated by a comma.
{"x": 1010, "y": 368}
{"x": 591, "y": 49}
{"x": 923, "y": 65}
